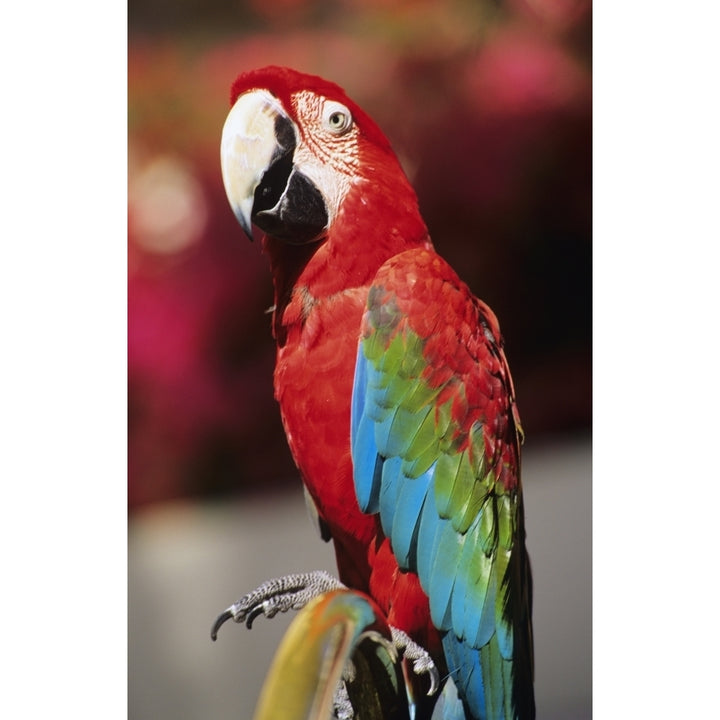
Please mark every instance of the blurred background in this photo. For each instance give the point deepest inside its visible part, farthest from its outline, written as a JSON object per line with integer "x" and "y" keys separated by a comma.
{"x": 489, "y": 106}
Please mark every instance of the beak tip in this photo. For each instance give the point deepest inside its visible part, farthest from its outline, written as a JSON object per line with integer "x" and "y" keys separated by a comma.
{"x": 245, "y": 225}
{"x": 242, "y": 211}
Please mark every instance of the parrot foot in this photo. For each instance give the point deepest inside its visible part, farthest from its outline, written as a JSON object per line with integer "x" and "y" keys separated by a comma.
{"x": 421, "y": 661}
{"x": 291, "y": 592}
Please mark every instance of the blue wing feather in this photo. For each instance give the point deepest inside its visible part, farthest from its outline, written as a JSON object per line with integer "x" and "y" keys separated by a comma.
{"x": 443, "y": 573}
{"x": 357, "y": 402}
{"x": 406, "y": 518}
{"x": 387, "y": 445}
{"x": 463, "y": 664}
{"x": 364, "y": 449}
{"x": 431, "y": 525}
{"x": 449, "y": 705}
{"x": 485, "y": 619}
{"x": 391, "y": 482}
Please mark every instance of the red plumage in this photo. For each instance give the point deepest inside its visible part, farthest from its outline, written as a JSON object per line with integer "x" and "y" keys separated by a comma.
{"x": 374, "y": 236}
{"x": 320, "y": 296}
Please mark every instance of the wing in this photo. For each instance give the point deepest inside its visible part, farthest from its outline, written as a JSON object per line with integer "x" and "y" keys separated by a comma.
{"x": 435, "y": 445}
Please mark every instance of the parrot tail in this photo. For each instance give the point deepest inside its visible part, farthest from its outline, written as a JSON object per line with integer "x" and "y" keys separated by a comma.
{"x": 496, "y": 680}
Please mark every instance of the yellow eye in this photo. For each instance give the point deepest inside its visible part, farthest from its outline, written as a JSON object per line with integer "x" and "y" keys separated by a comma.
{"x": 336, "y": 118}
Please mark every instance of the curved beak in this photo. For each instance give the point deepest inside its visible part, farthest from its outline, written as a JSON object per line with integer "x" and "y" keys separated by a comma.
{"x": 257, "y": 133}
{"x": 261, "y": 181}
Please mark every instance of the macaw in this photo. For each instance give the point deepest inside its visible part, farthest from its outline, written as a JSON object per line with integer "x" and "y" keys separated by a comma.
{"x": 394, "y": 392}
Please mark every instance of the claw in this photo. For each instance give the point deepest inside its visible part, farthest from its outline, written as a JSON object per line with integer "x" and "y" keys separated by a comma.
{"x": 420, "y": 667}
{"x": 287, "y": 593}
{"x": 422, "y": 663}
{"x": 220, "y": 621}
{"x": 257, "y": 610}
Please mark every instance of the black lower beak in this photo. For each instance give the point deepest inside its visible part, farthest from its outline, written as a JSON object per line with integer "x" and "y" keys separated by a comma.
{"x": 297, "y": 213}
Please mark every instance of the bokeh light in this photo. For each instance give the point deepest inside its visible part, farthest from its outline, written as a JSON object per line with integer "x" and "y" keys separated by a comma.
{"x": 489, "y": 107}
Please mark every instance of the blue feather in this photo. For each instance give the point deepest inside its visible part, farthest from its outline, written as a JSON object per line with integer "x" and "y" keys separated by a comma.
{"x": 391, "y": 481}
{"x": 449, "y": 706}
{"x": 357, "y": 402}
{"x": 411, "y": 497}
{"x": 367, "y": 470}
{"x": 378, "y": 391}
{"x": 486, "y": 626}
{"x": 366, "y": 464}
{"x": 446, "y": 555}
{"x": 472, "y": 587}
{"x": 464, "y": 667}
{"x": 431, "y": 525}
{"x": 377, "y": 398}
{"x": 465, "y": 584}
{"x": 382, "y": 434}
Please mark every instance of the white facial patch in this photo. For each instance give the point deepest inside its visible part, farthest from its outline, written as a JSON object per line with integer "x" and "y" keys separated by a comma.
{"x": 328, "y": 153}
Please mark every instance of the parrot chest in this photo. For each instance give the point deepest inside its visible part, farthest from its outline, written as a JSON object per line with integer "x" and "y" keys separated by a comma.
{"x": 313, "y": 385}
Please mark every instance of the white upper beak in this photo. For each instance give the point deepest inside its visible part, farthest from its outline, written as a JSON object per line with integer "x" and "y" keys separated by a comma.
{"x": 246, "y": 150}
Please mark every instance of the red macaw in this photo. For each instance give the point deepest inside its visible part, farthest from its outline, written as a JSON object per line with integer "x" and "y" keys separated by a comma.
{"x": 394, "y": 391}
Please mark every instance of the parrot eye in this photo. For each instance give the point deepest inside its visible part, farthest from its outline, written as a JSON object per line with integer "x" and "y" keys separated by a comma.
{"x": 336, "y": 118}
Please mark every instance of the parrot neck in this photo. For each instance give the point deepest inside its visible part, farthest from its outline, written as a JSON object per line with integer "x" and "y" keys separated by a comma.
{"x": 365, "y": 234}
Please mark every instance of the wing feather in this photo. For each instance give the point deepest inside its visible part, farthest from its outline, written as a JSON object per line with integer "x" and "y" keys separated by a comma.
{"x": 433, "y": 400}
{"x": 406, "y": 518}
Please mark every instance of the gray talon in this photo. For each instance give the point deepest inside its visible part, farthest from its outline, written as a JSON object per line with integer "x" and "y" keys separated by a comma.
{"x": 219, "y": 622}
{"x": 422, "y": 663}
{"x": 291, "y": 592}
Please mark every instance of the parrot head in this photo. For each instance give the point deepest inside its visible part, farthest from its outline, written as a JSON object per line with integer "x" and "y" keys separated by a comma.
{"x": 299, "y": 159}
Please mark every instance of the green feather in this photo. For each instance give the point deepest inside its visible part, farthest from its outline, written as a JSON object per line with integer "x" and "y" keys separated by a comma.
{"x": 492, "y": 670}
{"x": 413, "y": 362}
{"x": 477, "y": 449}
{"x": 374, "y": 346}
{"x": 419, "y": 395}
{"x": 422, "y": 463}
{"x": 507, "y": 669}
{"x": 391, "y": 356}
{"x": 506, "y": 521}
{"x": 405, "y": 427}
{"x": 461, "y": 491}
{"x": 478, "y": 496}
{"x": 424, "y": 437}
{"x": 446, "y": 442}
{"x": 445, "y": 473}
{"x": 488, "y": 526}
{"x": 395, "y": 392}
